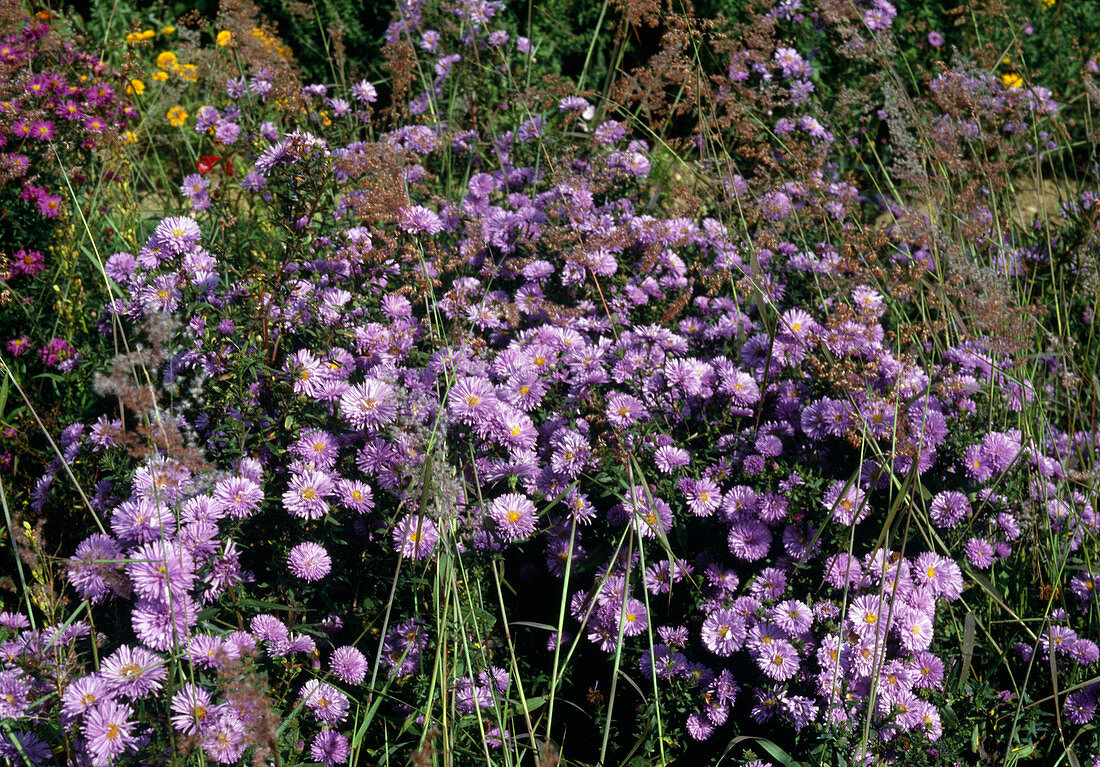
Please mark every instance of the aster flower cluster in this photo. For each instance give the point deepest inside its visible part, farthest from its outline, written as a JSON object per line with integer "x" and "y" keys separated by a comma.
{"x": 702, "y": 434}
{"x": 57, "y": 103}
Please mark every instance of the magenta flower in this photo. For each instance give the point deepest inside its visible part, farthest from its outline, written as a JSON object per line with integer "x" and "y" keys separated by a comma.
{"x": 49, "y": 205}
{"x": 309, "y": 561}
{"x": 18, "y": 346}
{"x": 28, "y": 262}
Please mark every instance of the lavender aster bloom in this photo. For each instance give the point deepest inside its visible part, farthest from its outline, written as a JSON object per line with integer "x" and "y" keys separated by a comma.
{"x": 329, "y": 747}
{"x": 416, "y": 219}
{"x": 309, "y": 561}
{"x": 134, "y": 672}
{"x": 14, "y": 690}
{"x": 348, "y": 664}
{"x": 515, "y": 516}
{"x": 305, "y": 498}
{"x": 177, "y": 234}
{"x": 369, "y": 404}
{"x": 108, "y": 731}
{"x": 192, "y": 711}
{"x": 327, "y": 703}
{"x": 84, "y": 693}
{"x": 415, "y": 536}
{"x": 160, "y": 570}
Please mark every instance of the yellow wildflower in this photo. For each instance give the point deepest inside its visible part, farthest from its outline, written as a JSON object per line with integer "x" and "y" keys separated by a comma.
{"x": 224, "y": 37}
{"x": 135, "y": 88}
{"x": 166, "y": 60}
{"x": 1012, "y": 80}
{"x": 160, "y": 75}
{"x": 168, "y": 30}
{"x": 188, "y": 72}
{"x": 130, "y": 137}
{"x": 1048, "y": 3}
{"x": 177, "y": 116}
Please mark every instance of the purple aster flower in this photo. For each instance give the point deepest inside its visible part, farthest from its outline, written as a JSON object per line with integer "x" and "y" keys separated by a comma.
{"x": 472, "y": 399}
{"x": 15, "y": 744}
{"x": 699, "y": 726}
{"x": 348, "y": 664}
{"x": 935, "y": 39}
{"x": 355, "y": 494}
{"x": 778, "y": 659}
{"x": 327, "y": 703}
{"x": 723, "y": 632}
{"x": 177, "y": 234}
{"x": 793, "y": 616}
{"x": 95, "y": 570}
{"x": 237, "y": 497}
{"x": 669, "y": 457}
{"x": 329, "y": 747}
{"x": 134, "y": 672}
{"x": 305, "y": 497}
{"x": 515, "y": 516}
{"x": 226, "y": 738}
{"x": 940, "y": 575}
{"x": 1000, "y": 450}
{"x": 192, "y": 711}
{"x": 306, "y": 370}
{"x": 162, "y": 626}
{"x": 977, "y": 463}
{"x": 160, "y": 570}
{"x": 83, "y": 694}
{"x": 415, "y": 536}
{"x": 948, "y": 508}
{"x": 14, "y": 690}
{"x": 749, "y": 539}
{"x": 915, "y": 628}
{"x": 318, "y": 447}
{"x": 368, "y": 405}
{"x": 926, "y": 670}
{"x": 703, "y": 496}
{"x": 416, "y": 219}
{"x": 846, "y": 503}
{"x": 309, "y": 561}
{"x": 227, "y": 132}
{"x": 268, "y": 628}
{"x": 206, "y": 651}
{"x": 108, "y": 731}
{"x": 980, "y": 553}
{"x": 1060, "y": 638}
{"x": 364, "y": 92}
{"x": 1080, "y": 707}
